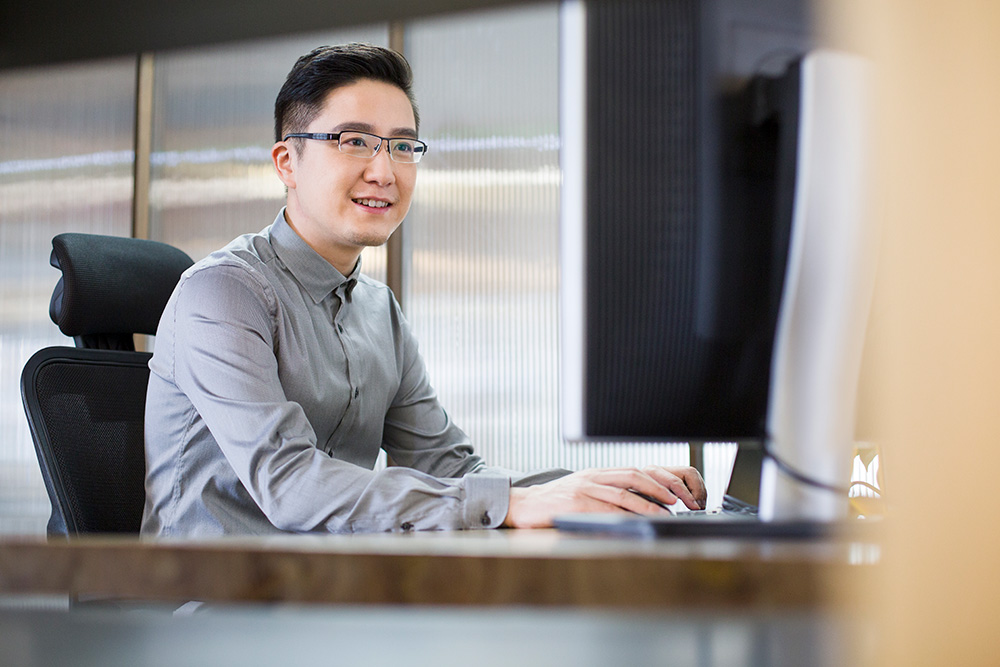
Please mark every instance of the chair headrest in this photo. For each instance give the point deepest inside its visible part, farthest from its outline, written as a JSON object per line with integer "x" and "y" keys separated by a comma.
{"x": 112, "y": 286}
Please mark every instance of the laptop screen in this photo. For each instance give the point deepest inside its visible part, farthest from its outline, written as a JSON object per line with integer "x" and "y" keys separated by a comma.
{"x": 744, "y": 483}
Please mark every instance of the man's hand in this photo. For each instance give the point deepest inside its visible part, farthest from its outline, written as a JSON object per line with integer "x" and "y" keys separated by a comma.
{"x": 605, "y": 490}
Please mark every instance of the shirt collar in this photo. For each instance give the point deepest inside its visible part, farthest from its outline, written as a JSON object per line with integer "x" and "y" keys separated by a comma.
{"x": 316, "y": 275}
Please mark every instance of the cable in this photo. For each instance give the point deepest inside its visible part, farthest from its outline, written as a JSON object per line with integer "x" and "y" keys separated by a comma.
{"x": 798, "y": 476}
{"x": 868, "y": 486}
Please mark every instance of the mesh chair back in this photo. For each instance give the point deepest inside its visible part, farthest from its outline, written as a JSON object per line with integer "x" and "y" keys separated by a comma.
{"x": 85, "y": 410}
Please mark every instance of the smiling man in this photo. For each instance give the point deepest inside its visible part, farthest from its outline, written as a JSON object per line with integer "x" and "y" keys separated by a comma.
{"x": 280, "y": 370}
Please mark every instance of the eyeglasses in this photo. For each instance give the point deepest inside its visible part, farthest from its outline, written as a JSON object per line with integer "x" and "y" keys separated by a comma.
{"x": 363, "y": 144}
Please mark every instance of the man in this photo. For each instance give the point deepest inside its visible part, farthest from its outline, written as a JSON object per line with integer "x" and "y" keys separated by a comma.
{"x": 280, "y": 370}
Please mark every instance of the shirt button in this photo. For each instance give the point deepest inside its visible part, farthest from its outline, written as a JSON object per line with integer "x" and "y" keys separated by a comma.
{"x": 407, "y": 526}
{"x": 340, "y": 328}
{"x": 486, "y": 519}
{"x": 356, "y": 392}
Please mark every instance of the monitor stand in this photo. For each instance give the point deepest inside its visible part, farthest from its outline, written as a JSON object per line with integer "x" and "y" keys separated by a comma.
{"x": 826, "y": 297}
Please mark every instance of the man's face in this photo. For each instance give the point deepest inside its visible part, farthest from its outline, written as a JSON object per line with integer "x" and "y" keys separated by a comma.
{"x": 339, "y": 203}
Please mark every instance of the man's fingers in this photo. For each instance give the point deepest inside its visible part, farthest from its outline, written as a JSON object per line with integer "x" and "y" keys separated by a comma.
{"x": 626, "y": 487}
{"x": 633, "y": 479}
{"x": 696, "y": 483}
{"x": 616, "y": 497}
{"x": 684, "y": 482}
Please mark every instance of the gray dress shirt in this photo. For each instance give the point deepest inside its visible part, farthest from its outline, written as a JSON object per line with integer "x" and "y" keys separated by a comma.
{"x": 274, "y": 383}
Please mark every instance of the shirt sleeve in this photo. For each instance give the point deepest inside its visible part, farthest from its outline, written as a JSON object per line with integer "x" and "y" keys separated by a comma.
{"x": 224, "y": 362}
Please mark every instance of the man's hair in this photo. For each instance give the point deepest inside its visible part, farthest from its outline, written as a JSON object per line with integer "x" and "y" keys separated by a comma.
{"x": 329, "y": 67}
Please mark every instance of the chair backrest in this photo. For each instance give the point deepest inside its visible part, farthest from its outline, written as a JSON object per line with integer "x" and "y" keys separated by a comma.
{"x": 86, "y": 404}
{"x": 85, "y": 410}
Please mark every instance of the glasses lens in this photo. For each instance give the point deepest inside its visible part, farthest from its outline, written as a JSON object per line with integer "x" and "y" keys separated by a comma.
{"x": 406, "y": 150}
{"x": 358, "y": 144}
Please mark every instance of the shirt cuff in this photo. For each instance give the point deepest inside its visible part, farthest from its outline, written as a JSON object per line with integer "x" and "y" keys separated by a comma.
{"x": 486, "y": 500}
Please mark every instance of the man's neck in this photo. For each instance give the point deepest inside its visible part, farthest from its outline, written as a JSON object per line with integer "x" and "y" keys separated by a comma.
{"x": 342, "y": 259}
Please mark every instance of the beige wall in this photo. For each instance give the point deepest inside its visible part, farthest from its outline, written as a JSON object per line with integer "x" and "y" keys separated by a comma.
{"x": 936, "y": 356}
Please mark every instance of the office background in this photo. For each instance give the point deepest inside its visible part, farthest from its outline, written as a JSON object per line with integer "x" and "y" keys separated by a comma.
{"x": 479, "y": 247}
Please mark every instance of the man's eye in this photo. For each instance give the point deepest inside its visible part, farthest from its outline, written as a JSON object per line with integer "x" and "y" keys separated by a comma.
{"x": 356, "y": 142}
{"x": 403, "y": 147}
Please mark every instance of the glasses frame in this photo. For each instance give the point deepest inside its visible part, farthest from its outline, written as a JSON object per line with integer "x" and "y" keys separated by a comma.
{"x": 420, "y": 148}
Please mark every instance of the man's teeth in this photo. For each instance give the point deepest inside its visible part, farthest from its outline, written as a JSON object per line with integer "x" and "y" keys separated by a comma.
{"x": 372, "y": 202}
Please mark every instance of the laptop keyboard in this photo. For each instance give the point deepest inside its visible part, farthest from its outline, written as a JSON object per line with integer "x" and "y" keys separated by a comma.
{"x": 732, "y": 505}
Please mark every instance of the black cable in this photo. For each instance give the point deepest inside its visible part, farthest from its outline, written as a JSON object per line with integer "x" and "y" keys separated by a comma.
{"x": 797, "y": 475}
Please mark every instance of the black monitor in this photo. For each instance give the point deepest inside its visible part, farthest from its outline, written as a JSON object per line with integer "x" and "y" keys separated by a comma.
{"x": 684, "y": 309}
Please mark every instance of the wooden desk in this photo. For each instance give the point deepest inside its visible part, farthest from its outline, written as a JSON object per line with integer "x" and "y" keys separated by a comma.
{"x": 541, "y": 567}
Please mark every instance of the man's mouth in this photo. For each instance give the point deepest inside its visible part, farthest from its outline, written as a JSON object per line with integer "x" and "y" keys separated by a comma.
{"x": 373, "y": 203}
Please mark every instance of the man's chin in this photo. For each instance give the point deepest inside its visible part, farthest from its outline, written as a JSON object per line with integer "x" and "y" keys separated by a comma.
{"x": 371, "y": 240}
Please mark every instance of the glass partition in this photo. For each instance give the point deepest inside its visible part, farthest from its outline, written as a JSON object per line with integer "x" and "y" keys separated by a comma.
{"x": 66, "y": 165}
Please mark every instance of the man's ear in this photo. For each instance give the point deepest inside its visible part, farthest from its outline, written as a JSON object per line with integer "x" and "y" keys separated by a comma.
{"x": 284, "y": 163}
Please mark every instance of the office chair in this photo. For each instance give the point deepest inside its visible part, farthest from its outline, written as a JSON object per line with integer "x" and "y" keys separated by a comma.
{"x": 85, "y": 404}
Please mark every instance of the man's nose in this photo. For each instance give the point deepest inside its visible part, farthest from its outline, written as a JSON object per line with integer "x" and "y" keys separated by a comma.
{"x": 381, "y": 168}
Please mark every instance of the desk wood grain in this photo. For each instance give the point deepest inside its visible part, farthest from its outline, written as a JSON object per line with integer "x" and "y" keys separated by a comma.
{"x": 538, "y": 568}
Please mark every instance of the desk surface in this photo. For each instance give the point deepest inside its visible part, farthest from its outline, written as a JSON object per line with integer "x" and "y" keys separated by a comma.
{"x": 502, "y": 567}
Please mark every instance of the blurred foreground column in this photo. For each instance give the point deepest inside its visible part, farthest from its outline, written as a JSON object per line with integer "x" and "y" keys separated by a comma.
{"x": 934, "y": 399}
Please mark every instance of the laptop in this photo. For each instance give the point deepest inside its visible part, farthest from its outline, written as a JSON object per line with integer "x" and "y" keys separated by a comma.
{"x": 736, "y": 517}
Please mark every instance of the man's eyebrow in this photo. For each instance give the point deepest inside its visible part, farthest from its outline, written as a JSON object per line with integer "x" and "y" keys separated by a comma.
{"x": 370, "y": 129}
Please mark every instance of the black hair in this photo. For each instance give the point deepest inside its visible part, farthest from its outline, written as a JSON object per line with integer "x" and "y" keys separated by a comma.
{"x": 329, "y": 67}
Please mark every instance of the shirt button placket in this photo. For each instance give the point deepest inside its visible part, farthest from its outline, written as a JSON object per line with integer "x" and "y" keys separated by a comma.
{"x": 340, "y": 330}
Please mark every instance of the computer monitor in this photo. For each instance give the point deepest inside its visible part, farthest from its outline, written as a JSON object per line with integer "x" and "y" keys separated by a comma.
{"x": 713, "y": 250}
